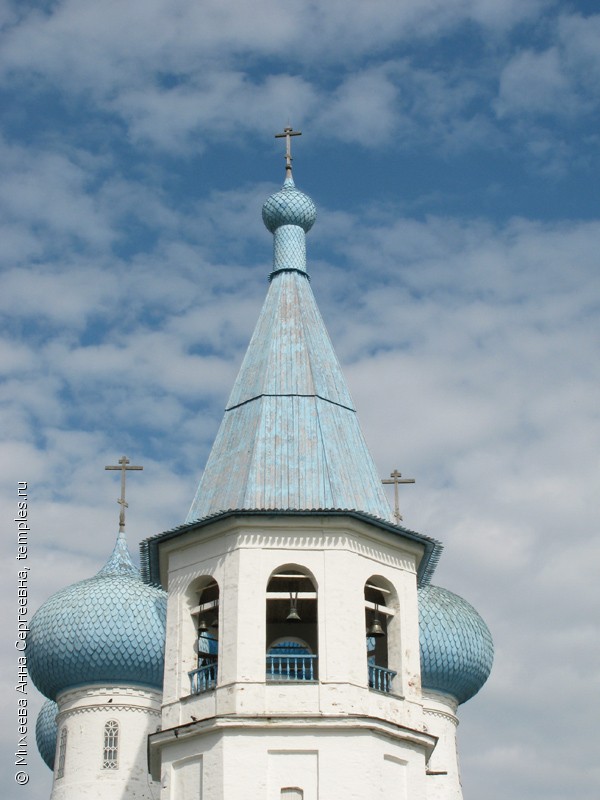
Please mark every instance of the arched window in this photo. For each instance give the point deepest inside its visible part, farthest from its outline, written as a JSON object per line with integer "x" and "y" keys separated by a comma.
{"x": 206, "y": 616}
{"x": 292, "y": 630}
{"x": 62, "y": 751}
{"x": 111, "y": 745}
{"x": 292, "y": 793}
{"x": 381, "y": 634}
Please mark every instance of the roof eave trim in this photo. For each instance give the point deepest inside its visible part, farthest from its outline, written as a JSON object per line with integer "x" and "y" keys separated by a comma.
{"x": 149, "y": 548}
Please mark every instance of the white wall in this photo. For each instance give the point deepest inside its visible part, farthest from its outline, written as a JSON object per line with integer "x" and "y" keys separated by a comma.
{"x": 84, "y": 713}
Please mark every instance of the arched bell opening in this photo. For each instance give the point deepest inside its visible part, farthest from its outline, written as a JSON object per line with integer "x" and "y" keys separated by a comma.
{"x": 381, "y": 630}
{"x": 205, "y": 617}
{"x": 291, "y": 624}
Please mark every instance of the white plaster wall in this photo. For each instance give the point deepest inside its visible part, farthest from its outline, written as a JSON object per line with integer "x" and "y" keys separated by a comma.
{"x": 348, "y": 764}
{"x": 443, "y": 778}
{"x": 84, "y": 713}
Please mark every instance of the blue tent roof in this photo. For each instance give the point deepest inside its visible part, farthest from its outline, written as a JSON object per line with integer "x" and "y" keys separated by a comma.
{"x": 290, "y": 437}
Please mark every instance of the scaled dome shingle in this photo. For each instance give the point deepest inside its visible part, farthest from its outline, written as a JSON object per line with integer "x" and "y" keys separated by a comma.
{"x": 45, "y": 732}
{"x": 106, "y": 629}
{"x": 457, "y": 650}
{"x": 289, "y": 207}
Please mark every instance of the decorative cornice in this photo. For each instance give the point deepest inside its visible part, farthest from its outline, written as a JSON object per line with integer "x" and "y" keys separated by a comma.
{"x": 104, "y": 690}
{"x": 62, "y": 716}
{"x": 443, "y": 714}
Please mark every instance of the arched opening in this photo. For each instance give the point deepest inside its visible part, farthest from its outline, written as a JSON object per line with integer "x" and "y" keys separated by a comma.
{"x": 381, "y": 633}
{"x": 292, "y": 630}
{"x": 205, "y": 614}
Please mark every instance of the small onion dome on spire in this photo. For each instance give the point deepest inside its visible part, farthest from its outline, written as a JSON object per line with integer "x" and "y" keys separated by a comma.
{"x": 456, "y": 645}
{"x": 45, "y": 732}
{"x": 289, "y": 207}
{"x": 106, "y": 629}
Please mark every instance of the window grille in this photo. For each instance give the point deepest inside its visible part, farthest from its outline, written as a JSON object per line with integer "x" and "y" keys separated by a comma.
{"x": 111, "y": 744}
{"x": 62, "y": 749}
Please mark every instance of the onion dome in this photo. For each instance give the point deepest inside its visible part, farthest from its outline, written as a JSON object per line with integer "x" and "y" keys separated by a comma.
{"x": 289, "y": 207}
{"x": 45, "y": 732}
{"x": 456, "y": 645}
{"x": 106, "y": 629}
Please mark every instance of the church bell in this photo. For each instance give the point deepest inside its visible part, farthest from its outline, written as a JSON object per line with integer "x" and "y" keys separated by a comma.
{"x": 376, "y": 628}
{"x": 203, "y": 626}
{"x": 293, "y": 615}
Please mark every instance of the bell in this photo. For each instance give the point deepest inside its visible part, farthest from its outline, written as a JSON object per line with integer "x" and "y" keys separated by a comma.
{"x": 293, "y": 615}
{"x": 202, "y": 626}
{"x": 375, "y": 629}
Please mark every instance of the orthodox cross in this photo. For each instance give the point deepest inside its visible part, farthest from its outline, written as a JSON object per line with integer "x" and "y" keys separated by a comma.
{"x": 123, "y": 466}
{"x": 288, "y": 132}
{"x": 397, "y": 478}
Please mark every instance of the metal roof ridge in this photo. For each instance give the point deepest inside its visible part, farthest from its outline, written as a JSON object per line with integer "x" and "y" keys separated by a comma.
{"x": 290, "y": 394}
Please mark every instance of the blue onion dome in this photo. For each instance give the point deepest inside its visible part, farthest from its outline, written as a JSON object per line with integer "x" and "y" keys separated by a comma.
{"x": 289, "y": 207}
{"x": 456, "y": 645}
{"x": 106, "y": 629}
{"x": 45, "y": 732}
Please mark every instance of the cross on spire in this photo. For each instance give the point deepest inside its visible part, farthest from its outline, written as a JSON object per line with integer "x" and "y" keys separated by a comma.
{"x": 123, "y": 466}
{"x": 288, "y": 132}
{"x": 397, "y": 478}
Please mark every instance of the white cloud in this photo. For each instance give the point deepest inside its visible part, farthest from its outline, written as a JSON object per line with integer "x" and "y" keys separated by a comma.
{"x": 175, "y": 71}
{"x": 50, "y": 192}
{"x": 560, "y": 80}
{"x": 362, "y": 109}
{"x": 215, "y": 104}
{"x": 84, "y": 45}
{"x": 534, "y": 83}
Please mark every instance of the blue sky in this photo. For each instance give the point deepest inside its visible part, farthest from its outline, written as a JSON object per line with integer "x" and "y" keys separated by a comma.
{"x": 452, "y": 150}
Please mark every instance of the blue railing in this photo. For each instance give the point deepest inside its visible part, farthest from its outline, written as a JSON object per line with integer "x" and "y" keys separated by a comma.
{"x": 381, "y": 678}
{"x": 204, "y": 678}
{"x": 291, "y": 668}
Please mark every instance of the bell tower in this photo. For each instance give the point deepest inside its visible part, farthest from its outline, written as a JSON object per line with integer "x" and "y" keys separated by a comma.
{"x": 293, "y": 654}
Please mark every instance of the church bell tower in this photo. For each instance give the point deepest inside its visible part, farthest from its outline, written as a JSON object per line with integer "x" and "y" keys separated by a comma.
{"x": 305, "y": 658}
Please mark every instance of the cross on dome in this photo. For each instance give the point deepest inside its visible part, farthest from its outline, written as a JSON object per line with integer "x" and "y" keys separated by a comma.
{"x": 288, "y": 132}
{"x": 396, "y": 478}
{"x": 123, "y": 466}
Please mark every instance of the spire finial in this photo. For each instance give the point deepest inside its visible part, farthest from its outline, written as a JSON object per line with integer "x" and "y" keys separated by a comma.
{"x": 123, "y": 466}
{"x": 288, "y": 132}
{"x": 396, "y": 478}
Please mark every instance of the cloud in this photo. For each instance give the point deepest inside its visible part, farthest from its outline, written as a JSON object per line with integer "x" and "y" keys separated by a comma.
{"x": 215, "y": 104}
{"x": 171, "y": 72}
{"x": 554, "y": 86}
{"x": 120, "y": 43}
{"x": 535, "y": 83}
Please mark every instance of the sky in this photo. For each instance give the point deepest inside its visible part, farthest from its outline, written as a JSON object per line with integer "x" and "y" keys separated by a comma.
{"x": 452, "y": 150}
